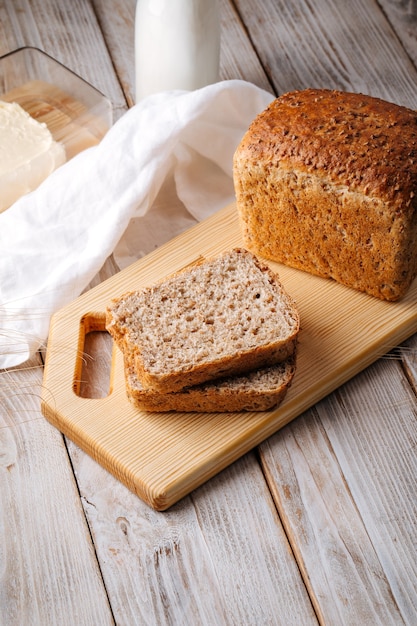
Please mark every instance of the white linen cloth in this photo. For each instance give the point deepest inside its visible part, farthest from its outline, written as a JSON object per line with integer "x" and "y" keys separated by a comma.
{"x": 169, "y": 155}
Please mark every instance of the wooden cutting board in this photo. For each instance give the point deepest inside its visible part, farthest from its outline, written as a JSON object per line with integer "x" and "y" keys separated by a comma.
{"x": 163, "y": 457}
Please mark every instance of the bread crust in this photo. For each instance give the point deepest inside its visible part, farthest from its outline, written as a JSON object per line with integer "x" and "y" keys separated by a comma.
{"x": 256, "y": 391}
{"x": 326, "y": 181}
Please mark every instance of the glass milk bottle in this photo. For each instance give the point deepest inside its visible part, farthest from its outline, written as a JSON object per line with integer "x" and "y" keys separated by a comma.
{"x": 177, "y": 45}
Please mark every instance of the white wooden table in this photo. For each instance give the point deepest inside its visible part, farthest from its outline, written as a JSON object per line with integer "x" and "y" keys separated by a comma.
{"x": 317, "y": 525}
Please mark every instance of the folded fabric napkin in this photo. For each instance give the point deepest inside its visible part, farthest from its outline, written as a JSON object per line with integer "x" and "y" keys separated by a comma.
{"x": 171, "y": 154}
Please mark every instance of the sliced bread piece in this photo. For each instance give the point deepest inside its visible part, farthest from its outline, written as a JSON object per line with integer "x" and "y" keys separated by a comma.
{"x": 260, "y": 390}
{"x": 225, "y": 316}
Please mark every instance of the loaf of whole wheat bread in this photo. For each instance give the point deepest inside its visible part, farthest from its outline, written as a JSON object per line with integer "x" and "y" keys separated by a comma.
{"x": 224, "y": 316}
{"x": 326, "y": 181}
{"x": 260, "y": 390}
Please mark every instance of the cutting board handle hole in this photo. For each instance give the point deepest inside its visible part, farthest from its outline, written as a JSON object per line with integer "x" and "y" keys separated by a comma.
{"x": 94, "y": 363}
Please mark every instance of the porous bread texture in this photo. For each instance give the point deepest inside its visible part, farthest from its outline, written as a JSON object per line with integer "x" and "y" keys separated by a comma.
{"x": 225, "y": 316}
{"x": 260, "y": 390}
{"x": 326, "y": 182}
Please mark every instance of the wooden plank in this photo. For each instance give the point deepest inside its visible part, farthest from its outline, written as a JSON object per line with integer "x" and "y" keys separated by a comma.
{"x": 238, "y": 59}
{"x": 74, "y": 43}
{"x": 408, "y": 354}
{"x": 343, "y": 331}
{"x": 336, "y": 45}
{"x": 344, "y": 477}
{"x": 49, "y": 573}
{"x": 117, "y": 23}
{"x": 217, "y": 557}
{"x": 403, "y": 19}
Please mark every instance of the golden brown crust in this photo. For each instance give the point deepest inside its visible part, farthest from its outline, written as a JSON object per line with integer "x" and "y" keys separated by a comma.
{"x": 260, "y": 390}
{"x": 326, "y": 182}
{"x": 365, "y": 143}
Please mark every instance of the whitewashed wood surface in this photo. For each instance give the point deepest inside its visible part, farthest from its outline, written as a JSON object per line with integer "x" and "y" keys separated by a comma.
{"x": 318, "y": 525}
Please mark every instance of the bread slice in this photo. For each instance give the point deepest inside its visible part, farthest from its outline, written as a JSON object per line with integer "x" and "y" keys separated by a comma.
{"x": 326, "y": 182}
{"x": 260, "y": 390}
{"x": 225, "y": 316}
